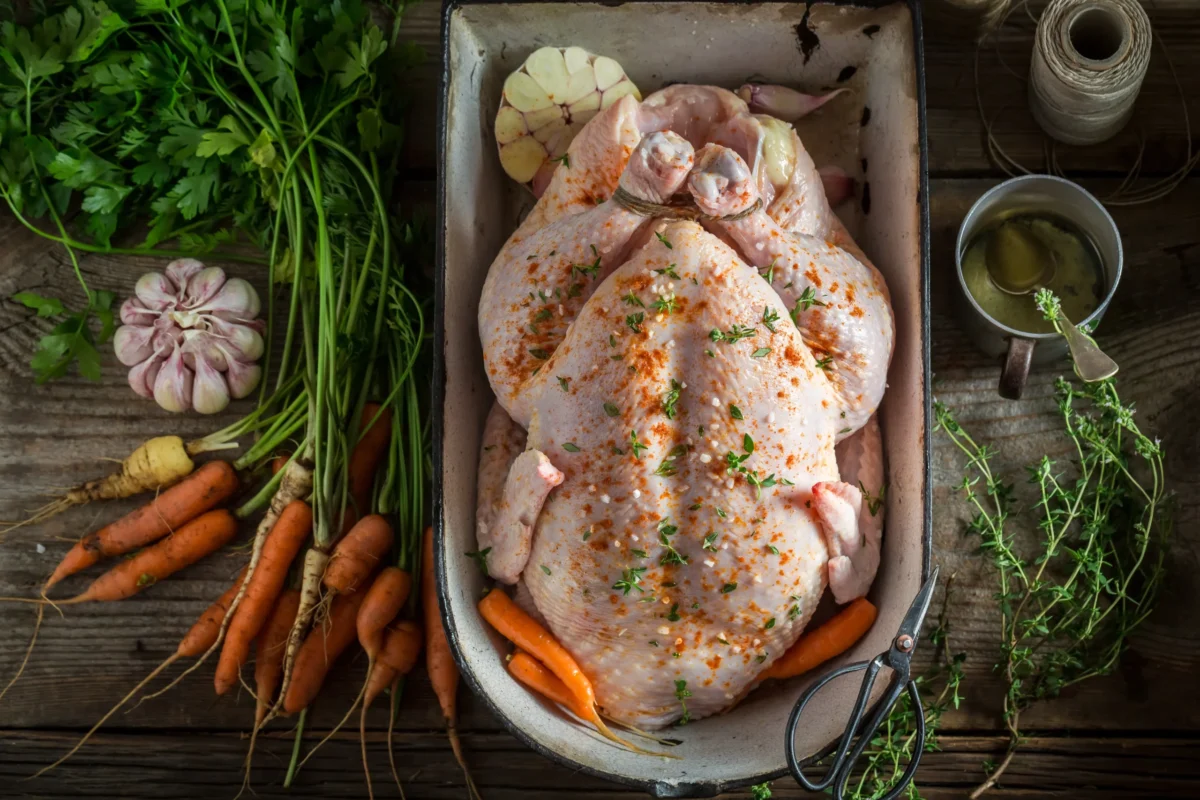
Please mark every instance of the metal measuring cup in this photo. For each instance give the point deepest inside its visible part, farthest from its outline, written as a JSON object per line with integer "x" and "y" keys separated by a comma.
{"x": 1021, "y": 349}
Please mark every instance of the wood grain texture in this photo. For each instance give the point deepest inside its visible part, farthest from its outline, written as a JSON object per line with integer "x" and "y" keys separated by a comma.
{"x": 1135, "y": 734}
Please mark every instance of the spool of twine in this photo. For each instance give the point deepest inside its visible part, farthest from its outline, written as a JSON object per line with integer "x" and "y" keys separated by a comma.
{"x": 1089, "y": 60}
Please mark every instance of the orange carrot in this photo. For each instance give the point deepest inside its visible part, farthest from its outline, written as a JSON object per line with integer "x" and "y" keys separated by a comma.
{"x": 279, "y": 462}
{"x": 356, "y": 555}
{"x": 383, "y": 602}
{"x": 439, "y": 661}
{"x": 366, "y": 455}
{"x": 198, "y": 639}
{"x": 183, "y": 502}
{"x": 186, "y": 546}
{"x": 401, "y": 646}
{"x": 268, "y": 659}
{"x": 529, "y": 671}
{"x": 817, "y": 646}
{"x": 283, "y": 543}
{"x": 320, "y": 649}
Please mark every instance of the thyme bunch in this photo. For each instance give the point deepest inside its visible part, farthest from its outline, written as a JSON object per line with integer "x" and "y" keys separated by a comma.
{"x": 1069, "y": 603}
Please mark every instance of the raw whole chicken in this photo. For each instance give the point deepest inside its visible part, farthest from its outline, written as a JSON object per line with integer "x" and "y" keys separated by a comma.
{"x": 671, "y": 472}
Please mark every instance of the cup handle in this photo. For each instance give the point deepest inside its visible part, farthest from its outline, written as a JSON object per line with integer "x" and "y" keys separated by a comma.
{"x": 1015, "y": 371}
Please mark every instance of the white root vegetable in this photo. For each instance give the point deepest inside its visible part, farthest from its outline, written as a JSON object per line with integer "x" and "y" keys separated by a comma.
{"x": 546, "y": 102}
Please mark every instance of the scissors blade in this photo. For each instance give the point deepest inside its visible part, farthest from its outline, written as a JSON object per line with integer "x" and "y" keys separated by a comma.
{"x": 915, "y": 617}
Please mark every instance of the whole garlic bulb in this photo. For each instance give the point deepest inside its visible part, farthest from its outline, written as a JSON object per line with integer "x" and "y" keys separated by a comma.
{"x": 191, "y": 337}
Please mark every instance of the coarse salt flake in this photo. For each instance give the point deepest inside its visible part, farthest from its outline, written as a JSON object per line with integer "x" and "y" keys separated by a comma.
{"x": 637, "y": 493}
{"x": 605, "y": 499}
{"x": 716, "y": 402}
{"x": 737, "y": 649}
{"x": 592, "y": 488}
{"x": 705, "y": 458}
{"x": 758, "y": 578}
{"x": 771, "y": 417}
{"x": 664, "y": 630}
{"x": 708, "y": 562}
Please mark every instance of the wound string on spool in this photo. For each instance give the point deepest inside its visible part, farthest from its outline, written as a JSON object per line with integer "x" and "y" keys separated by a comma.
{"x": 1089, "y": 60}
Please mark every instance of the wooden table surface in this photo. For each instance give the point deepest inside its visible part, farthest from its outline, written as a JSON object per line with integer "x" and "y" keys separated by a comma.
{"x": 1135, "y": 734}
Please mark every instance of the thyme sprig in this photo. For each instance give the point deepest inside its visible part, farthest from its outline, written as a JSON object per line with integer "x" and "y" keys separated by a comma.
{"x": 1069, "y": 604}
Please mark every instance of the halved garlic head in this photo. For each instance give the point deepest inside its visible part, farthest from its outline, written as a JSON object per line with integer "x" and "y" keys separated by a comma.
{"x": 545, "y": 104}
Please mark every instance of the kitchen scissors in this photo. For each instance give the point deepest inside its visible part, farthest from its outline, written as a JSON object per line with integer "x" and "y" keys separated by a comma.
{"x": 899, "y": 659}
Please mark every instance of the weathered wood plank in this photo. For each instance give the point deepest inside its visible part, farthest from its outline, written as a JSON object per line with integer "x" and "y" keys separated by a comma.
{"x": 189, "y": 765}
{"x": 48, "y": 437}
{"x": 956, "y": 145}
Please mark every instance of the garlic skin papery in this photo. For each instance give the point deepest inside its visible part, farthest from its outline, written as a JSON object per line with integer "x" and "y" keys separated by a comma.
{"x": 191, "y": 337}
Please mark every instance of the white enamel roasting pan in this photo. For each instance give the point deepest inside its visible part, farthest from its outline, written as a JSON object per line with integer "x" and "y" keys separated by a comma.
{"x": 877, "y": 134}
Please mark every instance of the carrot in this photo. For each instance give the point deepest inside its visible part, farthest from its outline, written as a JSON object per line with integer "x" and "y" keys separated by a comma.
{"x": 831, "y": 639}
{"x": 156, "y": 464}
{"x": 357, "y": 554}
{"x": 283, "y": 543}
{"x": 391, "y": 660}
{"x": 268, "y": 659}
{"x": 439, "y": 661}
{"x": 382, "y": 603}
{"x": 524, "y": 631}
{"x": 186, "y": 546}
{"x": 268, "y": 664}
{"x": 320, "y": 649}
{"x": 368, "y": 452}
{"x": 201, "y": 491}
{"x": 198, "y": 639}
{"x": 279, "y": 462}
{"x": 529, "y": 671}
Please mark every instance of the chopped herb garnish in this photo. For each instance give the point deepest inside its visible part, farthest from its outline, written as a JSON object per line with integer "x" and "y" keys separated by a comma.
{"x": 688, "y": 719}
{"x": 710, "y": 542}
{"x": 747, "y": 443}
{"x": 545, "y": 569}
{"x": 565, "y": 160}
{"x": 669, "y": 271}
{"x": 617, "y": 357}
{"x": 734, "y": 412}
{"x": 694, "y": 281}
{"x": 480, "y": 557}
{"x": 634, "y": 321}
{"x": 617, "y": 451}
{"x": 773, "y": 549}
{"x": 574, "y": 290}
{"x": 637, "y": 446}
{"x": 770, "y": 624}
{"x": 669, "y": 585}
{"x": 543, "y": 315}
{"x": 874, "y": 503}
{"x": 630, "y": 579}
{"x": 768, "y": 274}
{"x": 729, "y": 587}
{"x": 587, "y": 534}
{"x": 793, "y": 612}
{"x": 695, "y": 605}
{"x": 843, "y": 430}
{"x": 654, "y": 642}
{"x": 825, "y": 363}
{"x": 663, "y": 239}
{"x": 667, "y": 467}
{"x": 769, "y": 318}
{"x": 543, "y": 296}
{"x": 564, "y": 384}
{"x": 672, "y": 557}
{"x": 673, "y": 614}
{"x": 538, "y": 353}
{"x": 590, "y": 270}
{"x": 760, "y": 352}
{"x": 758, "y": 659}
{"x": 695, "y": 506}
{"x": 612, "y": 340}
{"x": 734, "y": 334}
{"x": 701, "y": 430}
{"x": 534, "y": 329}
{"x": 612, "y": 410}
{"x": 666, "y": 304}
{"x": 721, "y": 513}
{"x": 639, "y": 553}
{"x": 671, "y": 398}
{"x": 571, "y": 447}
{"x": 632, "y": 299}
{"x": 681, "y": 694}
{"x": 710, "y": 354}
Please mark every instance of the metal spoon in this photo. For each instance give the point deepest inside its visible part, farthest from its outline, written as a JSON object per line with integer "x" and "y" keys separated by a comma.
{"x": 1019, "y": 263}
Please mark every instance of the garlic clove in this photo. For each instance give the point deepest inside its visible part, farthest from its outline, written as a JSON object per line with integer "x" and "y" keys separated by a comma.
{"x": 236, "y": 302}
{"x": 133, "y": 344}
{"x": 243, "y": 342}
{"x": 202, "y": 344}
{"x": 142, "y": 376}
{"x": 242, "y": 378}
{"x": 155, "y": 291}
{"x": 203, "y": 286}
{"x": 210, "y": 393}
{"x": 173, "y": 384}
{"x": 134, "y": 313}
{"x": 181, "y": 270}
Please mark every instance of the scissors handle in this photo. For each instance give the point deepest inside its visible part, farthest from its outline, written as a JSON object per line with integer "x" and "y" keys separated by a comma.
{"x": 842, "y": 765}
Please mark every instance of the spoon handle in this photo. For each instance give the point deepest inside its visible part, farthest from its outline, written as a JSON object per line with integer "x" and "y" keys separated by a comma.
{"x": 1091, "y": 364}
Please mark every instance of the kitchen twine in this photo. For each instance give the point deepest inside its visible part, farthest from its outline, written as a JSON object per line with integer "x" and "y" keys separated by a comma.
{"x": 1089, "y": 60}
{"x": 678, "y": 208}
